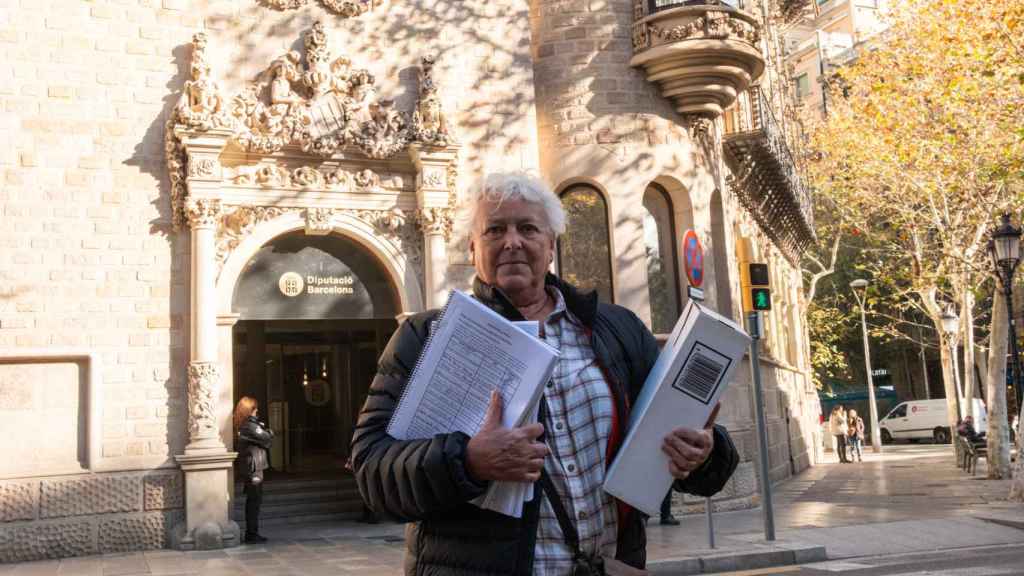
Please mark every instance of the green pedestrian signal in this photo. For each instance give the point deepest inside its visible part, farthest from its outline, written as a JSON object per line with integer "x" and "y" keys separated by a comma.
{"x": 762, "y": 298}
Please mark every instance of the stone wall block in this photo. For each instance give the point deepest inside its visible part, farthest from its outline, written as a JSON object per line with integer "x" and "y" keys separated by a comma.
{"x": 97, "y": 495}
{"x": 136, "y": 532}
{"x": 163, "y": 491}
{"x": 40, "y": 541}
{"x": 18, "y": 501}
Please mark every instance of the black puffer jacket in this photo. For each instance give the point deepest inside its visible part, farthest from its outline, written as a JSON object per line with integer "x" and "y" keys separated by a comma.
{"x": 426, "y": 482}
{"x": 254, "y": 440}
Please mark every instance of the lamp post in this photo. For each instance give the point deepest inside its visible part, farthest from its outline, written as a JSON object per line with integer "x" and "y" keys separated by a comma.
{"x": 859, "y": 288}
{"x": 950, "y": 324}
{"x": 1005, "y": 251}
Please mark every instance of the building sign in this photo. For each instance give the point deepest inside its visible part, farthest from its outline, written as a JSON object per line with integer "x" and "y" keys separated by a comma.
{"x": 304, "y": 277}
{"x": 317, "y": 392}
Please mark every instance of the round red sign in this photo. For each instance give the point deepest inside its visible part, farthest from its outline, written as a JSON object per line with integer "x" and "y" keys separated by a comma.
{"x": 693, "y": 258}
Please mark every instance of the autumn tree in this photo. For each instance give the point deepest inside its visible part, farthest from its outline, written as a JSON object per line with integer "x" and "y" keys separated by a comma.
{"x": 923, "y": 146}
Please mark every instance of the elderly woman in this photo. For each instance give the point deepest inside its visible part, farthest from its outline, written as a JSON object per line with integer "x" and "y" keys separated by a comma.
{"x": 606, "y": 353}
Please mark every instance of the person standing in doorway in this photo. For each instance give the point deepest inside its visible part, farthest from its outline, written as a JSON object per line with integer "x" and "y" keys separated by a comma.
{"x": 856, "y": 433}
{"x": 253, "y": 445}
{"x": 837, "y": 427}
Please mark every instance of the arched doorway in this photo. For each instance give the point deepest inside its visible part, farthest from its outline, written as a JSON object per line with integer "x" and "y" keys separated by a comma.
{"x": 315, "y": 312}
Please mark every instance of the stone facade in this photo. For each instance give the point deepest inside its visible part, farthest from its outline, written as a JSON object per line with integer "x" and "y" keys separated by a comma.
{"x": 78, "y": 515}
{"x": 146, "y": 163}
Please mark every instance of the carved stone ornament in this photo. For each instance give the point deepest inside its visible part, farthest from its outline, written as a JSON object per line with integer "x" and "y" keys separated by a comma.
{"x": 701, "y": 127}
{"x": 430, "y": 125}
{"x": 202, "y": 212}
{"x": 201, "y": 104}
{"x": 309, "y": 178}
{"x": 318, "y": 221}
{"x": 322, "y": 104}
{"x": 203, "y": 380}
{"x": 347, "y": 9}
{"x": 392, "y": 225}
{"x": 433, "y": 178}
{"x": 714, "y": 25}
{"x": 203, "y": 168}
{"x": 328, "y": 104}
{"x": 435, "y": 221}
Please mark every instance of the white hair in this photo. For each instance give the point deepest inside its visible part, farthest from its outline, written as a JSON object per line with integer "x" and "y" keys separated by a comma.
{"x": 499, "y": 187}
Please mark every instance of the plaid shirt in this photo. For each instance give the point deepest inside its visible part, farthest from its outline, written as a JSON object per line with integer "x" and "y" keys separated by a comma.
{"x": 577, "y": 427}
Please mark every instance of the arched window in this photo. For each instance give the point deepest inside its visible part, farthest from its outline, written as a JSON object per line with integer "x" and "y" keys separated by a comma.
{"x": 662, "y": 270}
{"x": 584, "y": 252}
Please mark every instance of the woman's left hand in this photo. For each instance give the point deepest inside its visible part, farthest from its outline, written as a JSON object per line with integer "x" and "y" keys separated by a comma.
{"x": 688, "y": 449}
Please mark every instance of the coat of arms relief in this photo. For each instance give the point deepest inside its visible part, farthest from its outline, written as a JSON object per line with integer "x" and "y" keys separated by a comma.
{"x": 319, "y": 102}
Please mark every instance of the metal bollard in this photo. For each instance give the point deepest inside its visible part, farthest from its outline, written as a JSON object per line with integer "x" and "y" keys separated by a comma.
{"x": 711, "y": 523}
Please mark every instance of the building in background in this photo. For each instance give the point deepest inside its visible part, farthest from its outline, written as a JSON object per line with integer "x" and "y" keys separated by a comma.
{"x": 208, "y": 200}
{"x": 826, "y": 37}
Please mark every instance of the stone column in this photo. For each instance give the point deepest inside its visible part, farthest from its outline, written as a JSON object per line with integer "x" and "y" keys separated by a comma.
{"x": 206, "y": 462}
{"x": 435, "y": 199}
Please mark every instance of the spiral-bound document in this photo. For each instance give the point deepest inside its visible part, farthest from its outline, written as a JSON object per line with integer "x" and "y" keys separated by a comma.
{"x": 472, "y": 351}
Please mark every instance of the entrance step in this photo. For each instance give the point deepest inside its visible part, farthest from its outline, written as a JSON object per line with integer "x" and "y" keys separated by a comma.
{"x": 300, "y": 501}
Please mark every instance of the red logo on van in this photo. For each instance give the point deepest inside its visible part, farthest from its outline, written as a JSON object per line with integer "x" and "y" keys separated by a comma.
{"x": 913, "y": 409}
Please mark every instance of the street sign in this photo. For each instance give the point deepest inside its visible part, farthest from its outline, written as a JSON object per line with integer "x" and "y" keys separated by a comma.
{"x": 693, "y": 258}
{"x": 695, "y": 293}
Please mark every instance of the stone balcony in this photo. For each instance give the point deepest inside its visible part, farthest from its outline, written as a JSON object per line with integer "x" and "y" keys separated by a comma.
{"x": 701, "y": 54}
{"x": 765, "y": 176}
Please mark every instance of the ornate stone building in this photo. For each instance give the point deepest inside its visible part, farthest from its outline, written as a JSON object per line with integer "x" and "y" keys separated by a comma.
{"x": 204, "y": 200}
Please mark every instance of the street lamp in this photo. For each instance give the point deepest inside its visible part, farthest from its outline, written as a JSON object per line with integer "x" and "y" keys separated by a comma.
{"x": 950, "y": 325}
{"x": 859, "y": 288}
{"x": 1005, "y": 251}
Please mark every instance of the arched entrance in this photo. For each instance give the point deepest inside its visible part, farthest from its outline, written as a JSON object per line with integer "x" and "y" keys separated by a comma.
{"x": 314, "y": 314}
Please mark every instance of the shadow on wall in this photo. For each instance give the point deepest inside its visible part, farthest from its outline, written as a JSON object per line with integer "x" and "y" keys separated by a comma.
{"x": 484, "y": 74}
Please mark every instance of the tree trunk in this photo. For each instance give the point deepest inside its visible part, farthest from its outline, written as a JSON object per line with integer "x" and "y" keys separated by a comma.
{"x": 998, "y": 430}
{"x": 948, "y": 382}
{"x": 981, "y": 368}
{"x": 969, "y": 386}
{"x": 924, "y": 367}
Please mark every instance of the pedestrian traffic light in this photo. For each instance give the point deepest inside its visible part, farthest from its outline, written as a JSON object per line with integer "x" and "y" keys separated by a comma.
{"x": 757, "y": 296}
{"x": 762, "y": 298}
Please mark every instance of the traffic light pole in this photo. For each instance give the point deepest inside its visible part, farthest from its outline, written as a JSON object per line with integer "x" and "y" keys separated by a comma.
{"x": 755, "y": 329}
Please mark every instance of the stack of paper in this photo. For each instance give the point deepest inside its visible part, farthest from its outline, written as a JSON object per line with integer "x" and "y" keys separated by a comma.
{"x": 473, "y": 350}
{"x": 684, "y": 385}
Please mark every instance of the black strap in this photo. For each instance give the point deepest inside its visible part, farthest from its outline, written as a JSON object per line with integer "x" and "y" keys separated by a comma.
{"x": 572, "y": 537}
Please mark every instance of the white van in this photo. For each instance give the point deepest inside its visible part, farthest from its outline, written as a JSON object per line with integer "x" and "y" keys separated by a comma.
{"x": 923, "y": 419}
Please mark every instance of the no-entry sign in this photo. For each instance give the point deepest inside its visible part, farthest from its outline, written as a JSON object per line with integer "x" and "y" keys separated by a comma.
{"x": 693, "y": 258}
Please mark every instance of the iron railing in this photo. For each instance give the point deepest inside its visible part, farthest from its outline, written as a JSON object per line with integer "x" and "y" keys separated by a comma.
{"x": 762, "y": 119}
{"x": 659, "y": 5}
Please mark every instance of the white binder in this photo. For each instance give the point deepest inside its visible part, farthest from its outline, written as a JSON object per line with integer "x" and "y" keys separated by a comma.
{"x": 692, "y": 371}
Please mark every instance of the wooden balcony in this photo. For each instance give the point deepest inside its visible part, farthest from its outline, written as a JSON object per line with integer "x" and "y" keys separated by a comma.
{"x": 701, "y": 54}
{"x": 765, "y": 176}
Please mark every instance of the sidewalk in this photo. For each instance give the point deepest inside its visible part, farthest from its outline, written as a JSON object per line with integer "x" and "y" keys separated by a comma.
{"x": 912, "y": 499}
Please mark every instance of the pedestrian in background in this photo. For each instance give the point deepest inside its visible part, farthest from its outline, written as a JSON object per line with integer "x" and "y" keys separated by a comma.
{"x": 253, "y": 445}
{"x": 856, "y": 433}
{"x": 667, "y": 519}
{"x": 837, "y": 427}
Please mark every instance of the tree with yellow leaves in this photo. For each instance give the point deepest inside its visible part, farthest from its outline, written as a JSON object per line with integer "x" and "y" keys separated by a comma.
{"x": 924, "y": 148}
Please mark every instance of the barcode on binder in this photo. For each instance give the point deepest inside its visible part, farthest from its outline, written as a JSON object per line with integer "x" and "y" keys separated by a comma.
{"x": 701, "y": 373}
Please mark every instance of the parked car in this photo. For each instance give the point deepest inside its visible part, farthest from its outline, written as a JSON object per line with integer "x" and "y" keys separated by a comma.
{"x": 924, "y": 419}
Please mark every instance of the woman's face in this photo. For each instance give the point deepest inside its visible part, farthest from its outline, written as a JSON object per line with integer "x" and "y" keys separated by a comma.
{"x": 254, "y": 410}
